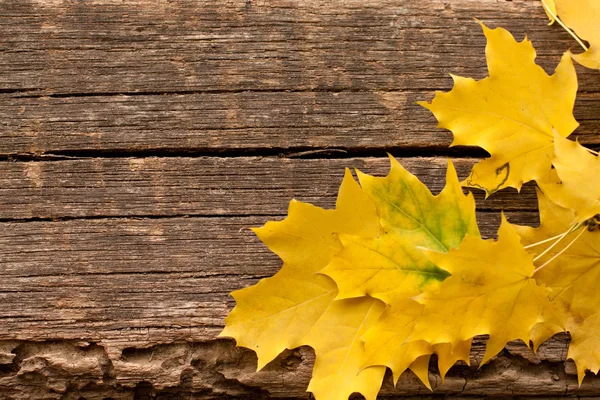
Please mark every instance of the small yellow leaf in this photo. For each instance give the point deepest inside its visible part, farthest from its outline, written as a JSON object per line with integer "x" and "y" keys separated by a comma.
{"x": 512, "y": 113}
{"x": 491, "y": 291}
{"x": 578, "y": 186}
{"x": 583, "y": 17}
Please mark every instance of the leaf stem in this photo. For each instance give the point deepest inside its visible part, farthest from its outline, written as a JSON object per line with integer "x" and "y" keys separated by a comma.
{"x": 560, "y": 238}
{"x": 560, "y": 252}
{"x": 529, "y": 246}
{"x": 592, "y": 151}
{"x": 566, "y": 28}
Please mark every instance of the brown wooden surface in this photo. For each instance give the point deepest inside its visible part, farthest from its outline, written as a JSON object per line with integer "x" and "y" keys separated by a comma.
{"x": 139, "y": 140}
{"x": 206, "y": 186}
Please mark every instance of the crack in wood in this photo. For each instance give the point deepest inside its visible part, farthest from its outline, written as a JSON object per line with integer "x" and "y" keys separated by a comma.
{"x": 459, "y": 152}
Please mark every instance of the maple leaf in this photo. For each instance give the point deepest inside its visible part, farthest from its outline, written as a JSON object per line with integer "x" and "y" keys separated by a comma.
{"x": 305, "y": 241}
{"x": 512, "y": 113}
{"x": 491, "y": 291}
{"x": 390, "y": 266}
{"x": 577, "y": 186}
{"x": 296, "y": 306}
{"x": 568, "y": 268}
{"x": 278, "y": 312}
{"x": 582, "y": 16}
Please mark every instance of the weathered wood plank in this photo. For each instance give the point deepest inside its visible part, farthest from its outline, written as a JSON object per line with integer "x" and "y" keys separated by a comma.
{"x": 217, "y": 370}
{"x": 105, "y": 46}
{"x": 141, "y": 300}
{"x": 211, "y": 122}
{"x": 133, "y": 280}
{"x": 374, "y": 49}
{"x": 202, "y": 186}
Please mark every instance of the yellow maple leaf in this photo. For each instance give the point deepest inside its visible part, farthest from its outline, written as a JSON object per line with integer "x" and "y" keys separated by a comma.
{"x": 569, "y": 269}
{"x": 491, "y": 291}
{"x": 583, "y": 17}
{"x": 390, "y": 265}
{"x": 296, "y": 306}
{"x": 306, "y": 241}
{"x": 577, "y": 186}
{"x": 512, "y": 113}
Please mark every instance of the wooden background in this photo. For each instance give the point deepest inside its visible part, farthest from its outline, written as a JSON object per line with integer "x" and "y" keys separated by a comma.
{"x": 139, "y": 140}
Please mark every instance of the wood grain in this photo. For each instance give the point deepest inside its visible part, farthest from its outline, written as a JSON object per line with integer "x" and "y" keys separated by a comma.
{"x": 103, "y": 277}
{"x": 275, "y": 122}
{"x": 106, "y": 46}
{"x": 247, "y": 75}
{"x": 204, "y": 186}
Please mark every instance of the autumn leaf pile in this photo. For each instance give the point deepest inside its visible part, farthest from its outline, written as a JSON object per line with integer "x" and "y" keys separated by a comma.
{"x": 395, "y": 274}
